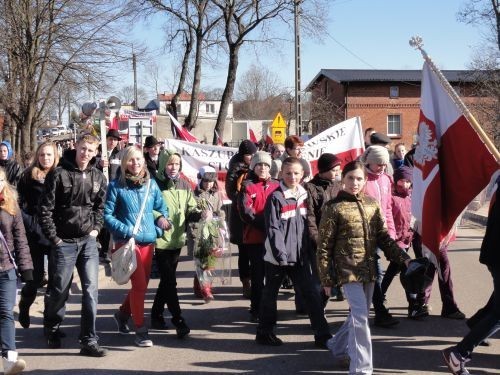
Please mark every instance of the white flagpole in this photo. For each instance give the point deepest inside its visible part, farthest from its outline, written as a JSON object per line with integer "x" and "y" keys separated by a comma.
{"x": 417, "y": 43}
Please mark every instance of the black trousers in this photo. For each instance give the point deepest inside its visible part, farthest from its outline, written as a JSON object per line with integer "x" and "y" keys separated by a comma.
{"x": 167, "y": 261}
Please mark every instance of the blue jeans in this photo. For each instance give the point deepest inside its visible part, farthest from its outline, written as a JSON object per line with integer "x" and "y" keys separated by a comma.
{"x": 489, "y": 322}
{"x": 302, "y": 278}
{"x": 8, "y": 285}
{"x": 63, "y": 258}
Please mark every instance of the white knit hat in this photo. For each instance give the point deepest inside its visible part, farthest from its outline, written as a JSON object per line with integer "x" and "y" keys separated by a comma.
{"x": 261, "y": 157}
{"x": 207, "y": 173}
{"x": 376, "y": 155}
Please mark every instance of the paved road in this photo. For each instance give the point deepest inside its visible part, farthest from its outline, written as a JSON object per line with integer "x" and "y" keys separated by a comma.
{"x": 222, "y": 336}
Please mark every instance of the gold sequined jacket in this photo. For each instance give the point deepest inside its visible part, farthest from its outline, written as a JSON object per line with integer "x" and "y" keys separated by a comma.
{"x": 351, "y": 229}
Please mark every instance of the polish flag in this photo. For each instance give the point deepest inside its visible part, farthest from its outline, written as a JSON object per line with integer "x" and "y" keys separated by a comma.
{"x": 181, "y": 132}
{"x": 219, "y": 139}
{"x": 452, "y": 164}
{"x": 252, "y": 136}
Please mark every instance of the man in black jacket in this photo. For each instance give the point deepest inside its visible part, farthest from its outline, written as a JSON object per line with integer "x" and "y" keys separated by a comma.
{"x": 71, "y": 215}
{"x": 487, "y": 320}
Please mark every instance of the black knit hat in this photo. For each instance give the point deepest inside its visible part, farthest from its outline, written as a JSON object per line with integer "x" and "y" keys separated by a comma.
{"x": 247, "y": 147}
{"x": 403, "y": 172}
{"x": 327, "y": 161}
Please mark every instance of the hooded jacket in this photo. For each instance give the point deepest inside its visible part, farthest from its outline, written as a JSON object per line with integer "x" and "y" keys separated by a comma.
{"x": 179, "y": 198}
{"x": 489, "y": 254}
{"x": 401, "y": 213}
{"x": 351, "y": 229}
{"x": 12, "y": 169}
{"x": 72, "y": 203}
{"x": 319, "y": 191}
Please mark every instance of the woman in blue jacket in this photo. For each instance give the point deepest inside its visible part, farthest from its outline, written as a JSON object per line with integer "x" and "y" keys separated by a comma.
{"x": 124, "y": 198}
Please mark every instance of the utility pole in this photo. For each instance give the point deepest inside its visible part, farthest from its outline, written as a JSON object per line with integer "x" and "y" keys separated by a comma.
{"x": 298, "y": 104}
{"x": 134, "y": 67}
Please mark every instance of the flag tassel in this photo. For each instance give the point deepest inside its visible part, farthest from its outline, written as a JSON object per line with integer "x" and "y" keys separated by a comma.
{"x": 417, "y": 43}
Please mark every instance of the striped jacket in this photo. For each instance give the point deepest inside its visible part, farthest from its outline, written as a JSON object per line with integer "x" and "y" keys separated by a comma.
{"x": 286, "y": 226}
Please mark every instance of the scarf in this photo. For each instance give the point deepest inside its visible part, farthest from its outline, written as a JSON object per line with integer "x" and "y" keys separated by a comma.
{"x": 136, "y": 180}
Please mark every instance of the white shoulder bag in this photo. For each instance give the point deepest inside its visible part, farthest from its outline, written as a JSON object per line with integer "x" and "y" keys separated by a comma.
{"x": 123, "y": 259}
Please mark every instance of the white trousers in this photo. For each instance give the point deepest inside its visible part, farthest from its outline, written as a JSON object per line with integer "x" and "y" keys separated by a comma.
{"x": 353, "y": 338}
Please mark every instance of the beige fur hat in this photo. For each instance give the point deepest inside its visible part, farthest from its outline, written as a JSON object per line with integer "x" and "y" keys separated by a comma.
{"x": 376, "y": 155}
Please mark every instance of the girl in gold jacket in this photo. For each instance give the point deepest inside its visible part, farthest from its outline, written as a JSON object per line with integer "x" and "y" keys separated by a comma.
{"x": 351, "y": 229}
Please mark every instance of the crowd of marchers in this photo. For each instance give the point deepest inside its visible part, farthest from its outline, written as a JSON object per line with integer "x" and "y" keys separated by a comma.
{"x": 321, "y": 234}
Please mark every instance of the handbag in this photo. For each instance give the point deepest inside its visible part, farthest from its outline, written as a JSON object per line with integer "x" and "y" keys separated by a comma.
{"x": 123, "y": 259}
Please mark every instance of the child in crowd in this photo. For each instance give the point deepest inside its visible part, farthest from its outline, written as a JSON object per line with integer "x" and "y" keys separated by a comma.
{"x": 324, "y": 186}
{"x": 351, "y": 229}
{"x": 200, "y": 241}
{"x": 288, "y": 252}
{"x": 178, "y": 195}
{"x": 251, "y": 201}
{"x": 379, "y": 186}
{"x": 401, "y": 212}
{"x": 14, "y": 253}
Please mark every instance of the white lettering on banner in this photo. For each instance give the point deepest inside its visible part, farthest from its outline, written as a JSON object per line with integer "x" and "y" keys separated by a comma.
{"x": 345, "y": 137}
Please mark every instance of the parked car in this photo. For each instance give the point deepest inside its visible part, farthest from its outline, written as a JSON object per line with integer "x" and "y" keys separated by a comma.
{"x": 58, "y": 130}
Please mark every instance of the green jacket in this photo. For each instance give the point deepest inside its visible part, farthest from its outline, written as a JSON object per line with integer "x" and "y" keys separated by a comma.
{"x": 179, "y": 198}
{"x": 351, "y": 229}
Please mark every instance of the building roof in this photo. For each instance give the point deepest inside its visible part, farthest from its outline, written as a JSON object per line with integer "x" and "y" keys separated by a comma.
{"x": 376, "y": 75}
{"x": 184, "y": 97}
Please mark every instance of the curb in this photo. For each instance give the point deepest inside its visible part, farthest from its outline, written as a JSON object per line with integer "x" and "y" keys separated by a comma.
{"x": 475, "y": 217}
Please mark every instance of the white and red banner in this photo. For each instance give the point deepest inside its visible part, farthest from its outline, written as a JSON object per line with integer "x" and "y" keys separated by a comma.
{"x": 345, "y": 140}
{"x": 180, "y": 131}
{"x": 452, "y": 164}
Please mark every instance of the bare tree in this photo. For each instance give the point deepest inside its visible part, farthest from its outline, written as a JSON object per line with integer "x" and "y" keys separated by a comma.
{"x": 245, "y": 17}
{"x": 126, "y": 94}
{"x": 45, "y": 43}
{"x": 485, "y": 64}
{"x": 198, "y": 19}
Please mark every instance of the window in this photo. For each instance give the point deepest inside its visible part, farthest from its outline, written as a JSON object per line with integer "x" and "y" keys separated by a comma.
{"x": 210, "y": 108}
{"x": 178, "y": 109}
{"x": 394, "y": 125}
{"x": 394, "y": 92}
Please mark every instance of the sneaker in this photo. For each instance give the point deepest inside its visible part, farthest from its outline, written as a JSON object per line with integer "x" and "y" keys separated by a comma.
{"x": 12, "y": 364}
{"x": 454, "y": 315}
{"x": 53, "y": 339}
{"x": 142, "y": 339}
{"x": 320, "y": 341}
{"x": 385, "y": 320}
{"x": 180, "y": 327}
{"x": 455, "y": 361}
{"x": 92, "y": 349}
{"x": 418, "y": 312}
{"x": 269, "y": 339}
{"x": 121, "y": 323}
{"x": 158, "y": 322}
{"x": 207, "y": 295}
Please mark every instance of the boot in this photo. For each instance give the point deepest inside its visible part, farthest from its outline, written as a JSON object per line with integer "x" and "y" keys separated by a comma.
{"x": 24, "y": 310}
{"x": 206, "y": 291}
{"x": 197, "y": 288}
{"x": 11, "y": 363}
{"x": 247, "y": 288}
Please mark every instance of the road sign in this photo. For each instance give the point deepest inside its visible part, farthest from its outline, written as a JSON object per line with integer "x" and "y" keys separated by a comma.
{"x": 278, "y": 129}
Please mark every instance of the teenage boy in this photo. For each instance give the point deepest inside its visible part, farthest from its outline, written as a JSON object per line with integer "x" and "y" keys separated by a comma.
{"x": 288, "y": 252}
{"x": 71, "y": 215}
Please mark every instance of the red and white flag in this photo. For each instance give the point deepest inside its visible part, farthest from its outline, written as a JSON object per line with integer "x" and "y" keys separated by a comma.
{"x": 452, "y": 164}
{"x": 181, "y": 132}
{"x": 251, "y": 136}
{"x": 219, "y": 139}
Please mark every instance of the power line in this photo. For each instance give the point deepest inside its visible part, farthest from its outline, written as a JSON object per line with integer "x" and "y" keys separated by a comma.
{"x": 350, "y": 52}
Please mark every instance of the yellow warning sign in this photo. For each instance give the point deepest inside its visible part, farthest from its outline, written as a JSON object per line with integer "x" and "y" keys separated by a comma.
{"x": 278, "y": 129}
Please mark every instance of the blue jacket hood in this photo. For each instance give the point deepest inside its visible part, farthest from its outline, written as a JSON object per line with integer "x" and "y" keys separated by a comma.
{"x": 9, "y": 147}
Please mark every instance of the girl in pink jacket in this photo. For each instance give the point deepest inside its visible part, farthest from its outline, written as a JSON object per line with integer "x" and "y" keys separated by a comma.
{"x": 379, "y": 186}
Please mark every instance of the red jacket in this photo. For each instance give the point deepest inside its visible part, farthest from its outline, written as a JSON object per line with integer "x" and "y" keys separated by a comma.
{"x": 251, "y": 202}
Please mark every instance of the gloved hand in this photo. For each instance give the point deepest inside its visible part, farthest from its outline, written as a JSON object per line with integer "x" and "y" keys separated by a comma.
{"x": 27, "y": 275}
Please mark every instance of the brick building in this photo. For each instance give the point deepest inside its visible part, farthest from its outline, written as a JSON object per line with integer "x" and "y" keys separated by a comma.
{"x": 386, "y": 100}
